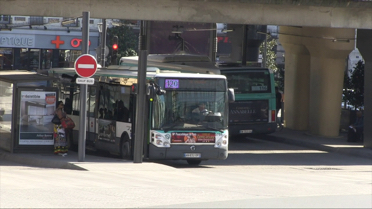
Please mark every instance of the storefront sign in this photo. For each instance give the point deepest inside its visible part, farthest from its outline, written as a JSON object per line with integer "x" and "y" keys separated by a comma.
{"x": 36, "y": 113}
{"x": 46, "y": 40}
{"x": 57, "y": 42}
{"x": 76, "y": 42}
{"x": 13, "y": 40}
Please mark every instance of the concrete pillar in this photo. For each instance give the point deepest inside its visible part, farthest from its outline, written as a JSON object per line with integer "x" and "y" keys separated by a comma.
{"x": 297, "y": 78}
{"x": 364, "y": 43}
{"x": 236, "y": 38}
{"x": 328, "y": 50}
{"x": 254, "y": 41}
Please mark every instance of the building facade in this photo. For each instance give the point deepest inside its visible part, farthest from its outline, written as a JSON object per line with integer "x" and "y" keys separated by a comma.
{"x": 26, "y": 44}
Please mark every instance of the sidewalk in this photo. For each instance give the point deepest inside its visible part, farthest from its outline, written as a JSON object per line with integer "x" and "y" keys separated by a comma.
{"x": 329, "y": 144}
{"x": 71, "y": 161}
{"x": 299, "y": 138}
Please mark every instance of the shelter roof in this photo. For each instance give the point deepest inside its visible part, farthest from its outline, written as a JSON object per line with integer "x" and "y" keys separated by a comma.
{"x": 22, "y": 76}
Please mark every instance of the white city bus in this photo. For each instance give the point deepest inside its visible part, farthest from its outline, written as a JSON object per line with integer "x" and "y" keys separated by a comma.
{"x": 173, "y": 131}
{"x": 253, "y": 111}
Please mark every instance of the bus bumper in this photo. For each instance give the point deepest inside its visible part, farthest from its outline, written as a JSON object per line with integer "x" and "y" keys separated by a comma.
{"x": 185, "y": 152}
{"x": 245, "y": 129}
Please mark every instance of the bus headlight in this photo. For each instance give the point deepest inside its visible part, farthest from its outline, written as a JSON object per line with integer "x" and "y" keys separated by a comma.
{"x": 222, "y": 140}
{"x": 160, "y": 139}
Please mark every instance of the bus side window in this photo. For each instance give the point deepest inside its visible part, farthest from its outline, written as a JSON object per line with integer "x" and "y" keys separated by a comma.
{"x": 102, "y": 106}
{"x": 106, "y": 104}
{"x": 92, "y": 101}
{"x": 76, "y": 101}
{"x": 68, "y": 106}
{"x": 122, "y": 103}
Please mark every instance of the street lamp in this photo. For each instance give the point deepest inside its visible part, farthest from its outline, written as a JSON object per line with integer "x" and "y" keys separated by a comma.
{"x": 102, "y": 28}
{"x": 99, "y": 25}
{"x": 70, "y": 21}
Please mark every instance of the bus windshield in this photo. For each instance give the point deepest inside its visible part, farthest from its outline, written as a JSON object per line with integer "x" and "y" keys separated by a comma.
{"x": 252, "y": 81}
{"x": 190, "y": 110}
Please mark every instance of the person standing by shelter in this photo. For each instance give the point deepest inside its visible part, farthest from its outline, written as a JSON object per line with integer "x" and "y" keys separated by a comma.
{"x": 279, "y": 100}
{"x": 59, "y": 135}
{"x": 355, "y": 132}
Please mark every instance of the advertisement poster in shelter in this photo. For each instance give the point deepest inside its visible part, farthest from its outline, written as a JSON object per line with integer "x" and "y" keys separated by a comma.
{"x": 36, "y": 113}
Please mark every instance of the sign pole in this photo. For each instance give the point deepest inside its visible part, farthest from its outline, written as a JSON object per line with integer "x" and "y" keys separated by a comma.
{"x": 83, "y": 90}
{"x": 103, "y": 45}
{"x": 141, "y": 97}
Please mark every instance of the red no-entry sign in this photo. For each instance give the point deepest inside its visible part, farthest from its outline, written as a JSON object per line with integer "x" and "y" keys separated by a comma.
{"x": 86, "y": 65}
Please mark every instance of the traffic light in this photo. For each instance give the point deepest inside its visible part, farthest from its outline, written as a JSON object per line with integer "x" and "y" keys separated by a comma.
{"x": 115, "y": 47}
{"x": 134, "y": 89}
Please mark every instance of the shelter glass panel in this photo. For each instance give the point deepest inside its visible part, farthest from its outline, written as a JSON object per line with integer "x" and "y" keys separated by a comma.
{"x": 6, "y": 104}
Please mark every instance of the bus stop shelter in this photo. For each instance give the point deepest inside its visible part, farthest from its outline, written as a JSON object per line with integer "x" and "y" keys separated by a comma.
{"x": 27, "y": 104}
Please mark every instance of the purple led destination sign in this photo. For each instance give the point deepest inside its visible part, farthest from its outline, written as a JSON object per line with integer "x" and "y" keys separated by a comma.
{"x": 172, "y": 83}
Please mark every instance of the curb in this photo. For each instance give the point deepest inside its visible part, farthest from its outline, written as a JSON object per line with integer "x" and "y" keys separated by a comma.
{"x": 44, "y": 163}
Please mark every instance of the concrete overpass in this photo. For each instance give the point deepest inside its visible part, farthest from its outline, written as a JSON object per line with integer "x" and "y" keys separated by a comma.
{"x": 317, "y": 36}
{"x": 314, "y": 13}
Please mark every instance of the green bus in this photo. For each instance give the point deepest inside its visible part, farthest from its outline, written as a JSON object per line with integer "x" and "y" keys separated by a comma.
{"x": 254, "y": 109}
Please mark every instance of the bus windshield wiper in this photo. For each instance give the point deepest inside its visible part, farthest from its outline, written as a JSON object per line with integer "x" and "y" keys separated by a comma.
{"x": 169, "y": 128}
{"x": 214, "y": 129}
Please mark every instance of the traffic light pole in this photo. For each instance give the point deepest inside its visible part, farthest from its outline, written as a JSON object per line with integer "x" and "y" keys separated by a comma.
{"x": 115, "y": 42}
{"x": 141, "y": 97}
{"x": 103, "y": 44}
{"x": 83, "y": 90}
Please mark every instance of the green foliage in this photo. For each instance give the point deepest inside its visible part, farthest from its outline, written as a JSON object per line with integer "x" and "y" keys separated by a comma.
{"x": 357, "y": 81}
{"x": 127, "y": 39}
{"x": 271, "y": 61}
{"x": 279, "y": 79}
{"x": 347, "y": 90}
{"x": 354, "y": 86}
{"x": 270, "y": 53}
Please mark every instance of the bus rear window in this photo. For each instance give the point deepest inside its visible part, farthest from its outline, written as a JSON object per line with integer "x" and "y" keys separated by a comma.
{"x": 249, "y": 82}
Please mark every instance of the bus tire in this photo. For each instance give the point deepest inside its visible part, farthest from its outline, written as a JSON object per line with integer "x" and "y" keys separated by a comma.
{"x": 125, "y": 149}
{"x": 193, "y": 162}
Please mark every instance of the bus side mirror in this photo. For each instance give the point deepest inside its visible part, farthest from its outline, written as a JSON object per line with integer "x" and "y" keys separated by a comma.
{"x": 160, "y": 91}
{"x": 151, "y": 91}
{"x": 231, "y": 95}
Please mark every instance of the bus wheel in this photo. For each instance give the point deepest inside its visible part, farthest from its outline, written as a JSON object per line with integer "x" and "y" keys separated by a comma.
{"x": 193, "y": 162}
{"x": 125, "y": 150}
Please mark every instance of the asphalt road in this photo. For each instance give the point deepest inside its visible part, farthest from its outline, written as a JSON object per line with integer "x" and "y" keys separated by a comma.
{"x": 257, "y": 174}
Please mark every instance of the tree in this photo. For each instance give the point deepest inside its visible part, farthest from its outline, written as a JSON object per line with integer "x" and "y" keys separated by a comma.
{"x": 270, "y": 53}
{"x": 357, "y": 84}
{"x": 271, "y": 61}
{"x": 347, "y": 90}
{"x": 279, "y": 78}
{"x": 127, "y": 39}
{"x": 353, "y": 92}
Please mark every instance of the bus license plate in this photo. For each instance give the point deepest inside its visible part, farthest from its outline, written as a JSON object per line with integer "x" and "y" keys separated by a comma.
{"x": 192, "y": 155}
{"x": 245, "y": 131}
